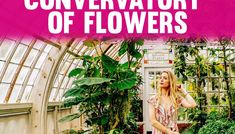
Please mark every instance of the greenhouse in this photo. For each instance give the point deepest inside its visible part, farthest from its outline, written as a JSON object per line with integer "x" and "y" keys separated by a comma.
{"x": 104, "y": 86}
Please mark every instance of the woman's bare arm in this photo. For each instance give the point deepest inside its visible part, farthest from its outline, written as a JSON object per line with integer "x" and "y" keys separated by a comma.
{"x": 187, "y": 101}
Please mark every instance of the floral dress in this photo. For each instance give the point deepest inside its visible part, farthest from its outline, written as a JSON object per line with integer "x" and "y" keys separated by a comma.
{"x": 167, "y": 117}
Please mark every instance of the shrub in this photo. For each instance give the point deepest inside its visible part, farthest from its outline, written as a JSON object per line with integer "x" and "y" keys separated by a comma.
{"x": 221, "y": 126}
{"x": 231, "y": 130}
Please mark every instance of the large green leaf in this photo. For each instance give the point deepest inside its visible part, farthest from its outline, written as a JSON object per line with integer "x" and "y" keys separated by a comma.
{"x": 68, "y": 102}
{"x": 127, "y": 80}
{"x": 70, "y": 117}
{"x": 73, "y": 92}
{"x": 75, "y": 72}
{"x": 109, "y": 63}
{"x": 91, "y": 81}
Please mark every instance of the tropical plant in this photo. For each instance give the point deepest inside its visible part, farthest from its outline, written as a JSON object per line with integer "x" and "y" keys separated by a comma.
{"x": 197, "y": 70}
{"x": 105, "y": 88}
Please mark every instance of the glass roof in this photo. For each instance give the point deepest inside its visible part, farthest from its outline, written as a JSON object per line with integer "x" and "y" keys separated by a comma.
{"x": 21, "y": 60}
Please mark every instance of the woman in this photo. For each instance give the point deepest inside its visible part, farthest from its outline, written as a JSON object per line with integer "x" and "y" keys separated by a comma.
{"x": 163, "y": 107}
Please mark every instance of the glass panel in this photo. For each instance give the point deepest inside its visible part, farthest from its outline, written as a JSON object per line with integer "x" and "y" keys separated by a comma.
{"x": 31, "y": 57}
{"x": 70, "y": 83}
{"x": 27, "y": 40}
{"x": 71, "y": 68}
{"x": 58, "y": 80}
{"x": 64, "y": 68}
{"x": 26, "y": 94}
{"x": 60, "y": 94}
{"x": 81, "y": 51}
{"x": 38, "y": 44}
{"x": 3, "y": 91}
{"x": 76, "y": 62}
{"x": 48, "y": 48}
{"x": 52, "y": 94}
{"x": 152, "y": 82}
{"x": 33, "y": 77}
{"x": 9, "y": 73}
{"x": 19, "y": 54}
{"x": 14, "y": 94}
{"x": 93, "y": 52}
{"x": 79, "y": 45}
{"x": 70, "y": 59}
{"x": 41, "y": 60}
{"x": 5, "y": 48}
{"x": 64, "y": 82}
{"x": 22, "y": 75}
{"x": 1, "y": 65}
{"x": 87, "y": 52}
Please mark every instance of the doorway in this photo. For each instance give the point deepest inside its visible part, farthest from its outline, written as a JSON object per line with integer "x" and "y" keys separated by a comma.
{"x": 151, "y": 76}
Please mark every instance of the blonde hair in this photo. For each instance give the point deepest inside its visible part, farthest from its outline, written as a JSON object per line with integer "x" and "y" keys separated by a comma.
{"x": 172, "y": 89}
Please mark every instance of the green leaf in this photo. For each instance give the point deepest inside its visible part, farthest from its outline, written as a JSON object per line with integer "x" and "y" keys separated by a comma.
{"x": 91, "y": 81}
{"x": 75, "y": 72}
{"x": 124, "y": 66}
{"x": 123, "y": 48}
{"x": 75, "y": 91}
{"x": 136, "y": 54}
{"x": 109, "y": 63}
{"x": 90, "y": 43}
{"x": 133, "y": 51}
{"x": 68, "y": 102}
{"x": 88, "y": 57}
{"x": 104, "y": 120}
{"x": 127, "y": 80}
{"x": 140, "y": 42}
{"x": 96, "y": 72}
{"x": 100, "y": 120}
{"x": 70, "y": 117}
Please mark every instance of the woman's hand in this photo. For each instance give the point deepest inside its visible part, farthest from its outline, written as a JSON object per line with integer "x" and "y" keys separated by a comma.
{"x": 180, "y": 89}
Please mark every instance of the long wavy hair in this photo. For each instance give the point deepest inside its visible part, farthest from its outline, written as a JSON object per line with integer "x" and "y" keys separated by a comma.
{"x": 172, "y": 91}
